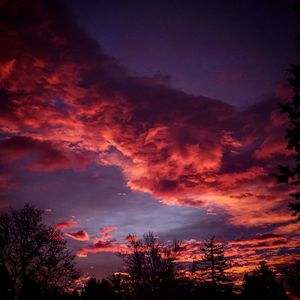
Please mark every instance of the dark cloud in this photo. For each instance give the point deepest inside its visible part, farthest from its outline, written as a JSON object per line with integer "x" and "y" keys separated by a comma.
{"x": 40, "y": 155}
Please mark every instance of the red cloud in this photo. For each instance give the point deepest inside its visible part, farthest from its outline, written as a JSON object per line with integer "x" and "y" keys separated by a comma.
{"x": 183, "y": 150}
{"x": 6, "y": 69}
{"x": 80, "y": 235}
{"x": 66, "y": 224}
{"x": 101, "y": 246}
{"x": 273, "y": 146}
{"x": 107, "y": 230}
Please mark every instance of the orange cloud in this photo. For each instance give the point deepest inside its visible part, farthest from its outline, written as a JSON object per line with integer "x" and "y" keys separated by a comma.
{"x": 289, "y": 228}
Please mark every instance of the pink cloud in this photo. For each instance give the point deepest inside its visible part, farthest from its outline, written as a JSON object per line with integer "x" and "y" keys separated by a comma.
{"x": 6, "y": 69}
{"x": 106, "y": 230}
{"x": 66, "y": 224}
{"x": 183, "y": 150}
{"x": 103, "y": 244}
{"x": 100, "y": 246}
{"x": 80, "y": 235}
{"x": 271, "y": 147}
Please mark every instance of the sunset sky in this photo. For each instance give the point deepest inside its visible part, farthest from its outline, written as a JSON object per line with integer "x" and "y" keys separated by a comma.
{"x": 121, "y": 117}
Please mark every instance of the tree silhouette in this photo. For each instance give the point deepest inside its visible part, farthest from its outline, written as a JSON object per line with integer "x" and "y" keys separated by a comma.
{"x": 215, "y": 284}
{"x": 262, "y": 284}
{"x": 291, "y": 174}
{"x": 214, "y": 263}
{"x": 5, "y": 283}
{"x": 291, "y": 277}
{"x": 34, "y": 254}
{"x": 150, "y": 266}
{"x": 95, "y": 290}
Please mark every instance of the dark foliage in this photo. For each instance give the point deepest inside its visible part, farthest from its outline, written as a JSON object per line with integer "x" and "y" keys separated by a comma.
{"x": 34, "y": 255}
{"x": 151, "y": 268}
{"x": 214, "y": 283}
{"x": 291, "y": 174}
{"x": 96, "y": 290}
{"x": 214, "y": 263}
{"x": 291, "y": 278}
{"x": 262, "y": 284}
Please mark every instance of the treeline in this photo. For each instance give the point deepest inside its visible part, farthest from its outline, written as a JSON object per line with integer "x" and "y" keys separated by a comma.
{"x": 36, "y": 264}
{"x": 151, "y": 272}
{"x": 259, "y": 284}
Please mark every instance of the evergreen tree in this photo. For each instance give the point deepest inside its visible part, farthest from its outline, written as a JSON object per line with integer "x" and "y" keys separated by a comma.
{"x": 291, "y": 278}
{"x": 291, "y": 174}
{"x": 214, "y": 263}
{"x": 215, "y": 285}
{"x": 262, "y": 284}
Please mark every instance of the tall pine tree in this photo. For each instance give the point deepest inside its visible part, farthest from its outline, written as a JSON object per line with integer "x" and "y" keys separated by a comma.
{"x": 214, "y": 263}
{"x": 214, "y": 284}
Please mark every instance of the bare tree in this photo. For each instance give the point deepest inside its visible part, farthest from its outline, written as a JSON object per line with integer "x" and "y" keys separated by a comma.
{"x": 33, "y": 253}
{"x": 150, "y": 264}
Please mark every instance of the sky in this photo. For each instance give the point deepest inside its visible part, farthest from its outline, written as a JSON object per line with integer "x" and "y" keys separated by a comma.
{"x": 122, "y": 117}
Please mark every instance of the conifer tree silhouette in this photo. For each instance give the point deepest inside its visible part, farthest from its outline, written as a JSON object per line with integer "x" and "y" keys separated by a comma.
{"x": 214, "y": 262}
{"x": 262, "y": 284}
{"x": 290, "y": 174}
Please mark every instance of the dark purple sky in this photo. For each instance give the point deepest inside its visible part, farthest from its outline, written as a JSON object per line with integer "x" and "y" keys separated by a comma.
{"x": 237, "y": 51}
{"x": 149, "y": 116}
